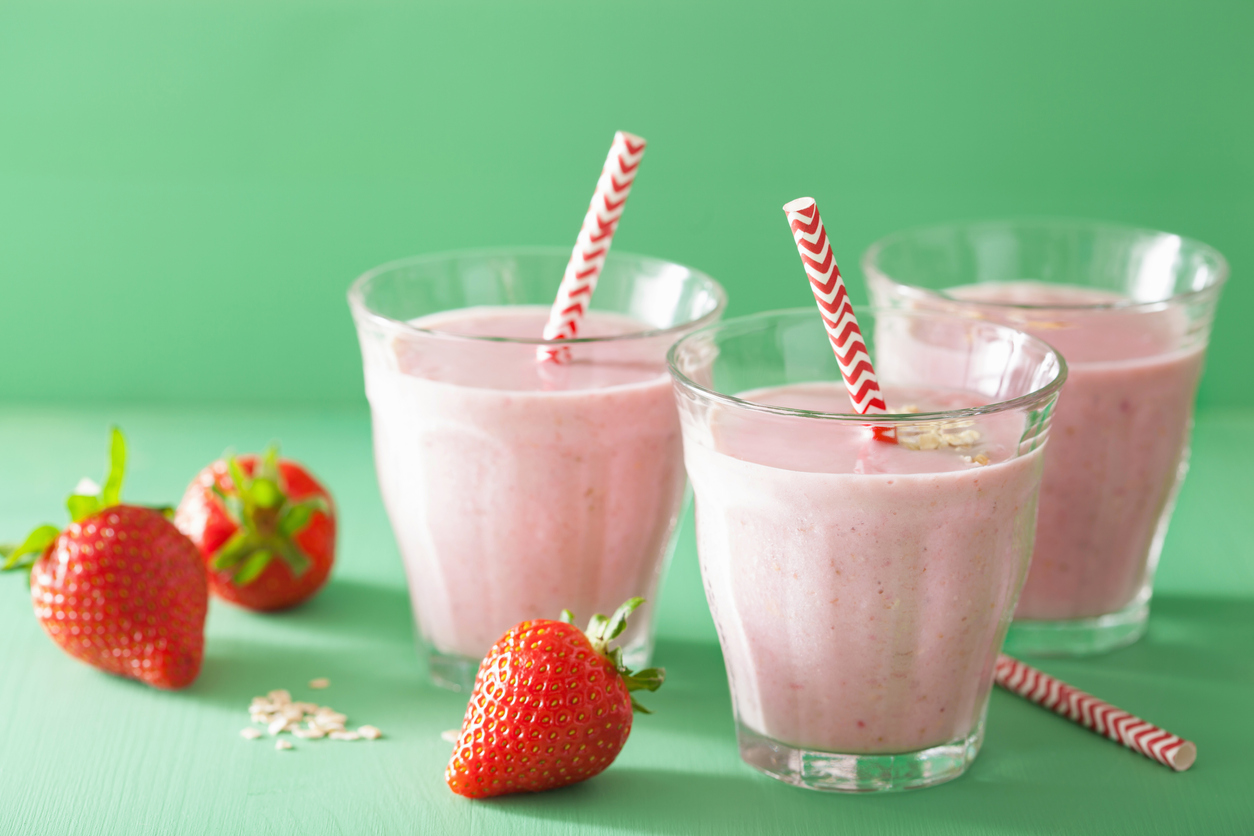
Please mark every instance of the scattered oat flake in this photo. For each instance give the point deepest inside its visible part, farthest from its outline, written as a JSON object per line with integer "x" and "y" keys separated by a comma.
{"x": 450, "y": 735}
{"x": 282, "y": 744}
{"x": 319, "y": 683}
{"x": 279, "y": 713}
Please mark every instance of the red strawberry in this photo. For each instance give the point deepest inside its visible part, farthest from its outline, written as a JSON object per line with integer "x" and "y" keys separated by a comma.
{"x": 265, "y": 527}
{"x": 551, "y": 706}
{"x": 120, "y": 588}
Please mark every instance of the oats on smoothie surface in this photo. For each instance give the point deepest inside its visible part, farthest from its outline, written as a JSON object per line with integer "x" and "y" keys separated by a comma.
{"x": 936, "y": 435}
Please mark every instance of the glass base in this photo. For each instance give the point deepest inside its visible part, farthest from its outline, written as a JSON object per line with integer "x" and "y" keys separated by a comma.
{"x": 1081, "y": 636}
{"x": 835, "y": 772}
{"x": 457, "y": 673}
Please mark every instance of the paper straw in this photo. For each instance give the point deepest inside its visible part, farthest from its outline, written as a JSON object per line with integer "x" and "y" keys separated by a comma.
{"x": 837, "y": 311}
{"x": 592, "y": 245}
{"x": 1093, "y": 714}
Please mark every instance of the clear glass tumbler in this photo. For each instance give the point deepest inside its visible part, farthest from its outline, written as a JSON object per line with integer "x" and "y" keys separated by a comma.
{"x": 1131, "y": 310}
{"x": 517, "y": 488}
{"x": 862, "y": 589}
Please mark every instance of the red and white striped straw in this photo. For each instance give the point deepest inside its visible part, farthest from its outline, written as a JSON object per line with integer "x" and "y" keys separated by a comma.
{"x": 836, "y": 309}
{"x": 1093, "y": 714}
{"x": 592, "y": 245}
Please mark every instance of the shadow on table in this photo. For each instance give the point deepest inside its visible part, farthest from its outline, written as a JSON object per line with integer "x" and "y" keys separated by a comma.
{"x": 1194, "y": 639}
{"x": 674, "y": 802}
{"x": 648, "y": 801}
{"x": 352, "y": 608}
{"x": 357, "y": 634}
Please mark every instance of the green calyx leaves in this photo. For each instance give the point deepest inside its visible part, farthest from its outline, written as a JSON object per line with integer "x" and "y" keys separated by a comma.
{"x": 267, "y": 520}
{"x": 80, "y": 505}
{"x": 24, "y": 555}
{"x": 601, "y": 631}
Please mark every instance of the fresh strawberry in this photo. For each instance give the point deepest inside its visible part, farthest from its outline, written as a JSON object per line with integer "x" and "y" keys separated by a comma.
{"x": 551, "y": 706}
{"x": 120, "y": 588}
{"x": 265, "y": 527}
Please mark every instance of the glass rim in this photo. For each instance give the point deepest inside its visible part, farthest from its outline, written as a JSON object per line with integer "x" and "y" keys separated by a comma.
{"x": 891, "y": 418}
{"x": 357, "y": 301}
{"x": 871, "y": 269}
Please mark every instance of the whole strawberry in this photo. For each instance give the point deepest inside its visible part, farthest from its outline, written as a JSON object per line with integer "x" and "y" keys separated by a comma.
{"x": 265, "y": 528}
{"x": 120, "y": 588}
{"x": 551, "y": 706}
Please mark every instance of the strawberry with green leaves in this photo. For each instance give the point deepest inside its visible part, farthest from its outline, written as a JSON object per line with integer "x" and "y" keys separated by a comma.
{"x": 551, "y": 706}
{"x": 120, "y": 588}
{"x": 265, "y": 528}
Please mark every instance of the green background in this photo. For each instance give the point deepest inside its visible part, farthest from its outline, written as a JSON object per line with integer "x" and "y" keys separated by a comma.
{"x": 187, "y": 187}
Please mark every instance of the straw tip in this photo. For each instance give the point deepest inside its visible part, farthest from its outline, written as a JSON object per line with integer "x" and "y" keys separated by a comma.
{"x": 798, "y": 204}
{"x": 1183, "y": 757}
{"x": 631, "y": 139}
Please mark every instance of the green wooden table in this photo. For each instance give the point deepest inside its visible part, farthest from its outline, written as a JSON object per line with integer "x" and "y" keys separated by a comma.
{"x": 85, "y": 753}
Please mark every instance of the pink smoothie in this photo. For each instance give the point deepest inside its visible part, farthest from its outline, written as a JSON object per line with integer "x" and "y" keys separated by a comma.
{"x": 516, "y": 489}
{"x": 1117, "y": 449}
{"x": 861, "y": 590}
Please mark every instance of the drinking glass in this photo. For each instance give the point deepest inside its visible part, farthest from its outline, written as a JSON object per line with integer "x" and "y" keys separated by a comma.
{"x": 1131, "y": 310}
{"x": 518, "y": 488}
{"x": 861, "y": 589}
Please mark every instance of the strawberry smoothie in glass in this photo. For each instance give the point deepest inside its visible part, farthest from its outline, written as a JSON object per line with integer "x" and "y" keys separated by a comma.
{"x": 1131, "y": 311}
{"x": 518, "y": 488}
{"x": 861, "y": 588}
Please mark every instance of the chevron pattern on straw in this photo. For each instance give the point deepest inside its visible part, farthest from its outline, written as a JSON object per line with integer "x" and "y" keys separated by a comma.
{"x": 834, "y": 305}
{"x": 592, "y": 245}
{"x": 1094, "y": 714}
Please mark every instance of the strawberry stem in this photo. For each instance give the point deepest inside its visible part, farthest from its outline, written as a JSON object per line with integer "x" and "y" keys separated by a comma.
{"x": 601, "y": 631}
{"x": 80, "y": 505}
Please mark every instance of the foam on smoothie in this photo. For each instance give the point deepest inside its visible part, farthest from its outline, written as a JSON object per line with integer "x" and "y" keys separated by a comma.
{"x": 481, "y": 364}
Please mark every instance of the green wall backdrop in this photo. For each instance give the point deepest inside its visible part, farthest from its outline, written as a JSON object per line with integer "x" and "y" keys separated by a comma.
{"x": 188, "y": 186}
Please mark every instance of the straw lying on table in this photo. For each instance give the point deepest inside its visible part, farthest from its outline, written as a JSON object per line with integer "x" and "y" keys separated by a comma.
{"x": 592, "y": 245}
{"x": 837, "y": 311}
{"x": 1093, "y": 714}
